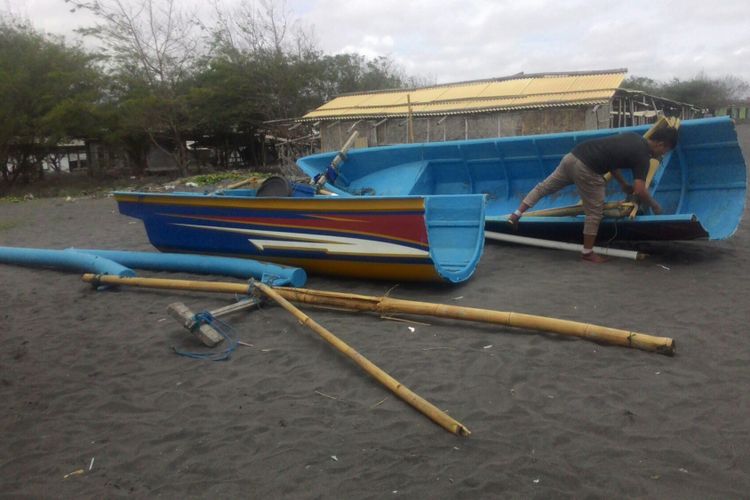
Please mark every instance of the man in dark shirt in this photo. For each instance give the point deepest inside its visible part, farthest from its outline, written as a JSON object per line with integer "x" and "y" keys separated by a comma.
{"x": 585, "y": 167}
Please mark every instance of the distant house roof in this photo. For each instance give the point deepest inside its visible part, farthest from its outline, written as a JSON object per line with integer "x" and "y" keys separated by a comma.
{"x": 520, "y": 91}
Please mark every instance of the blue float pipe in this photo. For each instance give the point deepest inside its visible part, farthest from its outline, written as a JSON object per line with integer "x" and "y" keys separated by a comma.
{"x": 68, "y": 260}
{"x": 205, "y": 264}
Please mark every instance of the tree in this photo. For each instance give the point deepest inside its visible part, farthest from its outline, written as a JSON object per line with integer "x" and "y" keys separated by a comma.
{"x": 48, "y": 93}
{"x": 706, "y": 92}
{"x": 153, "y": 49}
{"x": 642, "y": 83}
{"x": 701, "y": 90}
{"x": 264, "y": 66}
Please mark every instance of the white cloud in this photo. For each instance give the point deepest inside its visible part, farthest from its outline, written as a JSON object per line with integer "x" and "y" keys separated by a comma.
{"x": 458, "y": 40}
{"x": 454, "y": 40}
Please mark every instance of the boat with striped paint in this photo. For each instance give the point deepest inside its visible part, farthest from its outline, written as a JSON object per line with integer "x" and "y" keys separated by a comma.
{"x": 411, "y": 238}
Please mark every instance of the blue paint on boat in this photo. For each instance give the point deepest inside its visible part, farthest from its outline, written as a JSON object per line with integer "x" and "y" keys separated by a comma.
{"x": 205, "y": 264}
{"x": 450, "y": 225}
{"x": 701, "y": 185}
{"x": 410, "y": 238}
{"x": 68, "y": 260}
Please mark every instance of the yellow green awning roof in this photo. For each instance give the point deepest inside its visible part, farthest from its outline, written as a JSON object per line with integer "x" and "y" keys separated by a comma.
{"x": 516, "y": 92}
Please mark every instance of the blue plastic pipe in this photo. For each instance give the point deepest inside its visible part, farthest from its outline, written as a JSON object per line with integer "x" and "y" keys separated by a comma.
{"x": 205, "y": 264}
{"x": 68, "y": 260}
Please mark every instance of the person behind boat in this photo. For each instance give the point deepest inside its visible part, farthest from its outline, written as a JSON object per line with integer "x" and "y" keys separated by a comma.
{"x": 585, "y": 167}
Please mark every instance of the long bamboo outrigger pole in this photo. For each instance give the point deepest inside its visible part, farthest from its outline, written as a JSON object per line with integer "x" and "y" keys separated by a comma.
{"x": 645, "y": 342}
{"x": 421, "y": 404}
{"x": 400, "y": 390}
{"x": 382, "y": 305}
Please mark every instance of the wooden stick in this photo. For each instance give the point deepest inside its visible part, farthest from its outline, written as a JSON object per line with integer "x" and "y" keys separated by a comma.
{"x": 241, "y": 183}
{"x": 384, "y": 305}
{"x": 381, "y": 305}
{"x": 170, "y": 284}
{"x": 205, "y": 332}
{"x": 611, "y": 209}
{"x": 424, "y": 406}
{"x": 400, "y": 390}
{"x": 410, "y": 120}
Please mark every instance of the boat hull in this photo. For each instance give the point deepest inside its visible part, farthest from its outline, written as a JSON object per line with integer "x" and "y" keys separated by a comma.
{"x": 416, "y": 238}
{"x": 701, "y": 185}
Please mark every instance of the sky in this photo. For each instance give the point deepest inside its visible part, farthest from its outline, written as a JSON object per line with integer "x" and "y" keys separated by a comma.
{"x": 445, "y": 41}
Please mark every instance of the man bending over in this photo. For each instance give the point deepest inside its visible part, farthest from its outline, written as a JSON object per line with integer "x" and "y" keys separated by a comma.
{"x": 585, "y": 167}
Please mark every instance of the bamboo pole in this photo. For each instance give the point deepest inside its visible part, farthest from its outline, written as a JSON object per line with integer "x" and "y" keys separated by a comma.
{"x": 611, "y": 209}
{"x": 625, "y": 338}
{"x": 387, "y": 305}
{"x": 400, "y": 390}
{"x": 559, "y": 245}
{"x": 171, "y": 284}
{"x": 394, "y": 385}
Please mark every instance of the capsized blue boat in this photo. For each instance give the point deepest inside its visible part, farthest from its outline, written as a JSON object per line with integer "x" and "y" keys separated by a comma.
{"x": 701, "y": 185}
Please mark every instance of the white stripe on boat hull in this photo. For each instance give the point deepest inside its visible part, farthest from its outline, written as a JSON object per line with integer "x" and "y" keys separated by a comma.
{"x": 334, "y": 245}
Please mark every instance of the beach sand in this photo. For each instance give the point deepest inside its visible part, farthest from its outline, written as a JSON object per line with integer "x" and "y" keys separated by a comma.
{"x": 92, "y": 390}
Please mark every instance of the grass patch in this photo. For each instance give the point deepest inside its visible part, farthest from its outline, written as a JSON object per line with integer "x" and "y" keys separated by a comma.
{"x": 4, "y": 226}
{"x": 218, "y": 178}
{"x": 11, "y": 199}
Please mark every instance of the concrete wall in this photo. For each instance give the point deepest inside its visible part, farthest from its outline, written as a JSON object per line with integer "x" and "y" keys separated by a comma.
{"x": 378, "y": 132}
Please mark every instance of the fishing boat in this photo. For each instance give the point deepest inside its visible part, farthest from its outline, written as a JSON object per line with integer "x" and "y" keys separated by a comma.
{"x": 701, "y": 185}
{"x": 411, "y": 238}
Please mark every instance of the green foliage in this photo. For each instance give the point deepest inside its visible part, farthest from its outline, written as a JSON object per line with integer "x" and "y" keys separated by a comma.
{"x": 10, "y": 199}
{"x": 4, "y": 226}
{"x": 163, "y": 84}
{"x": 701, "y": 90}
{"x": 152, "y": 50}
{"x": 213, "y": 179}
{"x": 241, "y": 92}
{"x": 48, "y": 94}
{"x": 642, "y": 83}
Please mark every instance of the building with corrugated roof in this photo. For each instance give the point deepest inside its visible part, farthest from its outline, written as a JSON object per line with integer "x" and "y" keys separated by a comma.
{"x": 516, "y": 105}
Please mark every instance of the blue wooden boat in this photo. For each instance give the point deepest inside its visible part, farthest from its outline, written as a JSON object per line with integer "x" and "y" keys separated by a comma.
{"x": 418, "y": 238}
{"x": 701, "y": 185}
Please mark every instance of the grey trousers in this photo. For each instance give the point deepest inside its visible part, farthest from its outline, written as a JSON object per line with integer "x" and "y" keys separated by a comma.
{"x": 590, "y": 186}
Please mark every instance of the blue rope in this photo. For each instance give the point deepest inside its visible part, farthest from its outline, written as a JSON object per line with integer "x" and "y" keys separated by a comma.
{"x": 331, "y": 174}
{"x": 226, "y": 331}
